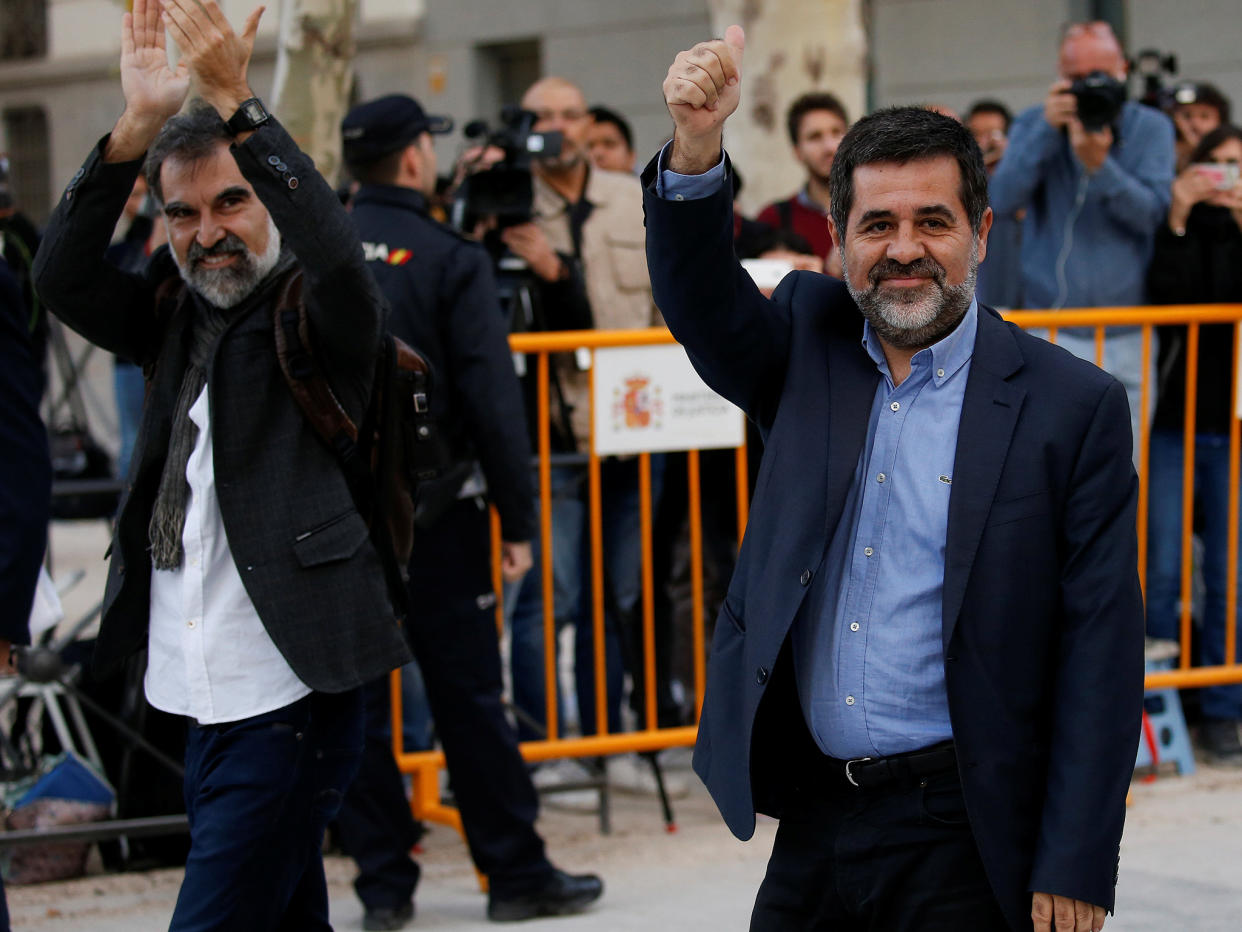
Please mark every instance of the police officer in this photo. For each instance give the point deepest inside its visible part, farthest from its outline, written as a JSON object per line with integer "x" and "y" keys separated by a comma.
{"x": 444, "y": 302}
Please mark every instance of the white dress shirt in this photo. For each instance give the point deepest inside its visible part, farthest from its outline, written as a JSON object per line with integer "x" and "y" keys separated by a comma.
{"x": 210, "y": 658}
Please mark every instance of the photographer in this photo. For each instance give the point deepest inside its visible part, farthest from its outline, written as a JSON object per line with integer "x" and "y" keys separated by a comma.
{"x": 585, "y": 249}
{"x": 1093, "y": 171}
{"x": 1198, "y": 259}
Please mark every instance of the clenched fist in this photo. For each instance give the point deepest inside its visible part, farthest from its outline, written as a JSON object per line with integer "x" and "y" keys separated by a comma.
{"x": 702, "y": 89}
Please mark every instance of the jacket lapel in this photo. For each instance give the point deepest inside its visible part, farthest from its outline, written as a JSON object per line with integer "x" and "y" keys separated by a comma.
{"x": 990, "y": 410}
{"x": 852, "y": 379}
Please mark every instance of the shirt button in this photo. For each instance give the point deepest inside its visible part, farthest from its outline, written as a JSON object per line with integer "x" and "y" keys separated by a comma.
{"x": 761, "y": 676}
{"x": 868, "y": 551}
{"x": 293, "y": 184}
{"x": 679, "y": 197}
{"x": 805, "y": 577}
{"x": 854, "y": 626}
{"x": 881, "y": 477}
{"x": 193, "y": 622}
{"x": 896, "y": 406}
{"x": 849, "y": 700}
{"x": 940, "y": 373}
{"x": 273, "y": 160}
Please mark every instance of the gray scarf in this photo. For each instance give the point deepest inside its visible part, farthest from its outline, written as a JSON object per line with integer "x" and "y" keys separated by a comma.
{"x": 209, "y": 322}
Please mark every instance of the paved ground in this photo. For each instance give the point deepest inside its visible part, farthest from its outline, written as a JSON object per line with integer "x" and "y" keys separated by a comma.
{"x": 1180, "y": 861}
{"x": 1179, "y": 871}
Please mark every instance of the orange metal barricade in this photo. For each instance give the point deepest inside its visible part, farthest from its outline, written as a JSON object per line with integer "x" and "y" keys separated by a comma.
{"x": 425, "y": 767}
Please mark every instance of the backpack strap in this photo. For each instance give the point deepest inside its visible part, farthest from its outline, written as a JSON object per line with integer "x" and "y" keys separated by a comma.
{"x": 326, "y": 416}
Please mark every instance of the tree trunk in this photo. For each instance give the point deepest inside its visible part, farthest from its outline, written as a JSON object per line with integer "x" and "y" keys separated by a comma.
{"x": 792, "y": 46}
{"x": 314, "y": 76}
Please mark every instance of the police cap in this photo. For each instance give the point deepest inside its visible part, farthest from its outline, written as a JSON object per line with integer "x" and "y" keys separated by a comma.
{"x": 375, "y": 128}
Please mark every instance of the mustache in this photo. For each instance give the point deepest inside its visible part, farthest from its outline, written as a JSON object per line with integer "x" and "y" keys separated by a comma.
{"x": 230, "y": 244}
{"x": 925, "y": 267}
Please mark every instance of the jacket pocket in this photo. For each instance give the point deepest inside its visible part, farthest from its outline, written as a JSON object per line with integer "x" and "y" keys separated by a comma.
{"x": 629, "y": 262}
{"x": 336, "y": 539}
{"x": 1015, "y": 509}
{"x": 732, "y": 611}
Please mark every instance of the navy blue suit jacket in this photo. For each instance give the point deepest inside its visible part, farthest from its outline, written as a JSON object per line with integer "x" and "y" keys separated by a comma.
{"x": 1042, "y": 614}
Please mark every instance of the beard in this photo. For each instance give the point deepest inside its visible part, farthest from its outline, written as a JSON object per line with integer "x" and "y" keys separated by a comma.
{"x": 914, "y": 318}
{"x": 229, "y": 285}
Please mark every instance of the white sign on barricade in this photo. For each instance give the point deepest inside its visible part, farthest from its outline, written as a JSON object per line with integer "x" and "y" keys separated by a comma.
{"x": 650, "y": 399}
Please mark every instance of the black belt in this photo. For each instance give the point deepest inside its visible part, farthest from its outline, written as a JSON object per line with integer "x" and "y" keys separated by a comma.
{"x": 897, "y": 771}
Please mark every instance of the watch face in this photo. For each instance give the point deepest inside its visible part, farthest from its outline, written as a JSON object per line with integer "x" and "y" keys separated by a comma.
{"x": 254, "y": 111}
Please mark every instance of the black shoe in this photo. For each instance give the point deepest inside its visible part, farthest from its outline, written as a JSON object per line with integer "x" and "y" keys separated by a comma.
{"x": 560, "y": 895}
{"x": 387, "y": 917}
{"x": 1221, "y": 742}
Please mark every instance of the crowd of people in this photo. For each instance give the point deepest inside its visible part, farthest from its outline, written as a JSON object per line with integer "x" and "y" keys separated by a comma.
{"x": 248, "y": 569}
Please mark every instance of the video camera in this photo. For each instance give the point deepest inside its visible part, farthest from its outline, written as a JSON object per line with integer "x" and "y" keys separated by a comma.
{"x": 505, "y": 190}
{"x": 1152, "y": 66}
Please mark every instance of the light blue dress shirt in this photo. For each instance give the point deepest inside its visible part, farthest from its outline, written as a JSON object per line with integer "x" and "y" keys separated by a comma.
{"x": 867, "y": 647}
{"x": 867, "y": 650}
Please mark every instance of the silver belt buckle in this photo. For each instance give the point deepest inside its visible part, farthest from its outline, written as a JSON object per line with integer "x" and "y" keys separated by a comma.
{"x": 850, "y": 763}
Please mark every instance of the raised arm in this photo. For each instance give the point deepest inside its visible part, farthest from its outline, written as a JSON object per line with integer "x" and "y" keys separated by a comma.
{"x": 736, "y": 338}
{"x": 71, "y": 274}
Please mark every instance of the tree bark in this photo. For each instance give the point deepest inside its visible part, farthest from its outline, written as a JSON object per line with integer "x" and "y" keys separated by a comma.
{"x": 314, "y": 76}
{"x": 792, "y": 47}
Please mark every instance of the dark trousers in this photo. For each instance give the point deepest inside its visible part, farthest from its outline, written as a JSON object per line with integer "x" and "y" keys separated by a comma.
{"x": 895, "y": 860}
{"x": 452, "y": 633}
{"x": 259, "y": 793}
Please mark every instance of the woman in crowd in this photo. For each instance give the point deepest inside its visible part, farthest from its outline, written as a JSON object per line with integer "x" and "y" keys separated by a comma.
{"x": 1198, "y": 260}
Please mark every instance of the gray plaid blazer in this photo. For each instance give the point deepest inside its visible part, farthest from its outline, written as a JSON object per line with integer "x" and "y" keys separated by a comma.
{"x": 302, "y": 549}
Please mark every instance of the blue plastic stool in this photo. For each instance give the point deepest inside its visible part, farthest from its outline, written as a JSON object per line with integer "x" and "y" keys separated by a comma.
{"x": 1164, "y": 712}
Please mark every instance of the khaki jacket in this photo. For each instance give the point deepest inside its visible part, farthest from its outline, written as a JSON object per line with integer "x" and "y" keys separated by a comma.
{"x": 614, "y": 265}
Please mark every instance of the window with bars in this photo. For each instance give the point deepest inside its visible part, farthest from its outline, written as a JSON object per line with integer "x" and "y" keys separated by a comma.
{"x": 29, "y": 155}
{"x": 23, "y": 29}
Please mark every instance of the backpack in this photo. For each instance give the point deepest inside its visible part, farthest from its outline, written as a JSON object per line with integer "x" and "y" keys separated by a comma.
{"x": 385, "y": 457}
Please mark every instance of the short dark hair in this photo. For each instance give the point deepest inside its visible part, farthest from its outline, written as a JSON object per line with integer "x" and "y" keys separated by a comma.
{"x": 1216, "y": 137}
{"x": 990, "y": 106}
{"x": 808, "y": 103}
{"x": 383, "y": 170}
{"x": 605, "y": 115}
{"x": 902, "y": 135}
{"x": 192, "y": 135}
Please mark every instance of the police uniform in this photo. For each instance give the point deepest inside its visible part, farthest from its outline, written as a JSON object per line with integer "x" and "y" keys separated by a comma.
{"x": 444, "y": 303}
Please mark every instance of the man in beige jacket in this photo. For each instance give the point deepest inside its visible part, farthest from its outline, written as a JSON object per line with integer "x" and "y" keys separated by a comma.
{"x": 586, "y": 248}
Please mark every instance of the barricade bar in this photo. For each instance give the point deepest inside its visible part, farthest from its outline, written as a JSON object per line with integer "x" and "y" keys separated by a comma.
{"x": 425, "y": 766}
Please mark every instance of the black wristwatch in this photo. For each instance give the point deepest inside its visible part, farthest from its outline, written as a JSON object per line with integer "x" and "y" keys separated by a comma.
{"x": 249, "y": 116}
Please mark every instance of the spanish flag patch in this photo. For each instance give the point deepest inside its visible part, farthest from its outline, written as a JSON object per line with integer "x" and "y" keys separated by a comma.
{"x": 399, "y": 257}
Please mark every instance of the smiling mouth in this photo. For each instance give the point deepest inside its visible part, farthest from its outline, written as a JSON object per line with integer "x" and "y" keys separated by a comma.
{"x": 217, "y": 262}
{"x": 906, "y": 282}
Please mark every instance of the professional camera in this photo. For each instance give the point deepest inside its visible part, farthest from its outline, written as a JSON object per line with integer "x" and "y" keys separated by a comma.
{"x": 504, "y": 190}
{"x": 1100, "y": 97}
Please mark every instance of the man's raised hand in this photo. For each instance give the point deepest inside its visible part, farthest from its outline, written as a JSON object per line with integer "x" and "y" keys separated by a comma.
{"x": 702, "y": 88}
{"x": 217, "y": 56}
{"x": 153, "y": 91}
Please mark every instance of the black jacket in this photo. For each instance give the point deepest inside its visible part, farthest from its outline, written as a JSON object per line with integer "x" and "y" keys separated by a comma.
{"x": 25, "y": 468}
{"x": 444, "y": 303}
{"x": 1202, "y": 267}
{"x": 301, "y": 548}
